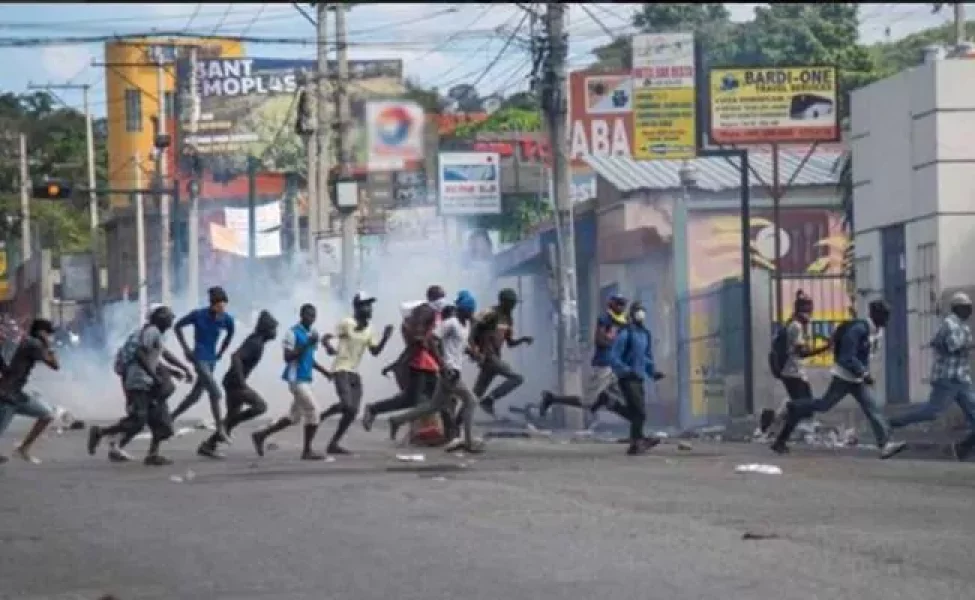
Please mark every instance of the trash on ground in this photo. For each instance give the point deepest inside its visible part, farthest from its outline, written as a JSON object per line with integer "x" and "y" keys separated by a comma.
{"x": 759, "y": 468}
{"x": 438, "y": 479}
{"x": 411, "y": 457}
{"x": 752, "y": 535}
{"x": 329, "y": 459}
{"x": 684, "y": 446}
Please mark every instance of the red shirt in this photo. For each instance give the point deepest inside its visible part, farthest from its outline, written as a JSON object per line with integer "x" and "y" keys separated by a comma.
{"x": 423, "y": 360}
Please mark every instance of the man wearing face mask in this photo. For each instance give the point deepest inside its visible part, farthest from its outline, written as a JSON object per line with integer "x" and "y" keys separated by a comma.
{"x": 239, "y": 394}
{"x": 492, "y": 331}
{"x": 417, "y": 366}
{"x": 632, "y": 359}
{"x": 951, "y": 374}
{"x": 602, "y": 387}
{"x": 355, "y": 336}
{"x": 148, "y": 385}
{"x": 852, "y": 346}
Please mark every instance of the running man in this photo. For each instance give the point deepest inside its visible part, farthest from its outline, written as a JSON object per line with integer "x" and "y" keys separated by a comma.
{"x": 602, "y": 388}
{"x": 354, "y": 338}
{"x": 951, "y": 375}
{"x": 239, "y": 394}
{"x": 492, "y": 331}
{"x": 34, "y": 348}
{"x": 207, "y": 323}
{"x": 454, "y": 334}
{"x": 300, "y": 344}
{"x": 148, "y": 386}
{"x": 632, "y": 358}
{"x": 851, "y": 376}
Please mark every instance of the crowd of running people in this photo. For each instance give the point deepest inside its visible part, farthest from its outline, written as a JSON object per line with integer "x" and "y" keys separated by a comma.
{"x": 439, "y": 337}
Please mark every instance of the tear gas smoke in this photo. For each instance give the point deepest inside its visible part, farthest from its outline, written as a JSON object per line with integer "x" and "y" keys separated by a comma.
{"x": 416, "y": 253}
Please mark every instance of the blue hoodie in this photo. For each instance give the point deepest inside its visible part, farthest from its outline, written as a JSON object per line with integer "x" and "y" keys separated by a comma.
{"x": 632, "y": 352}
{"x": 852, "y": 352}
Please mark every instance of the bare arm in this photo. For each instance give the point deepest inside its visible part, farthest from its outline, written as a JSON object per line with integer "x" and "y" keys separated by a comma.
{"x": 376, "y": 349}
{"x": 327, "y": 344}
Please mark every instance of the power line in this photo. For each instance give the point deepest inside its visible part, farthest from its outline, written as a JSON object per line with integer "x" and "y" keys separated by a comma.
{"x": 257, "y": 16}
{"x": 199, "y": 5}
{"x": 219, "y": 24}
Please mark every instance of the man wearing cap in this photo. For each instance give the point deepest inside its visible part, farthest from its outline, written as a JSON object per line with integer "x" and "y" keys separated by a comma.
{"x": 602, "y": 387}
{"x": 207, "y": 324}
{"x": 355, "y": 336}
{"x": 854, "y": 343}
{"x": 951, "y": 374}
{"x": 32, "y": 349}
{"x": 491, "y": 332}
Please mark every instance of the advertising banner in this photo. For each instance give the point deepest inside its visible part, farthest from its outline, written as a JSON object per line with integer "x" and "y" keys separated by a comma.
{"x": 242, "y": 107}
{"x": 233, "y": 236}
{"x": 771, "y": 105}
{"x": 664, "y": 97}
{"x": 600, "y": 116}
{"x": 394, "y": 134}
{"x": 77, "y": 277}
{"x": 470, "y": 183}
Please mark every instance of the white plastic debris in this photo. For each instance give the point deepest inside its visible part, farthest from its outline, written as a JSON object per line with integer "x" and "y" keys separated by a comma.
{"x": 176, "y": 479}
{"x": 411, "y": 457}
{"x": 759, "y": 468}
{"x": 329, "y": 459}
{"x": 438, "y": 478}
{"x": 685, "y": 446}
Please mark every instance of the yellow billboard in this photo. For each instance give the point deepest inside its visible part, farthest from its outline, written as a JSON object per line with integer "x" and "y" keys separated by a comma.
{"x": 772, "y": 105}
{"x": 4, "y": 276}
{"x": 664, "y": 123}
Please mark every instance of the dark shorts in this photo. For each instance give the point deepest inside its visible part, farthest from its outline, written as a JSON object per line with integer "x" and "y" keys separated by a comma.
{"x": 240, "y": 396}
{"x": 146, "y": 408}
{"x": 348, "y": 386}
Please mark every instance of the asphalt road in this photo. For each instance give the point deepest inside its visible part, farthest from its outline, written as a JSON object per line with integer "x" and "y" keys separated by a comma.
{"x": 533, "y": 520}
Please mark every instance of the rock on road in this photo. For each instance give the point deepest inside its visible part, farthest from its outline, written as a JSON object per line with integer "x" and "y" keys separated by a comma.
{"x": 531, "y": 520}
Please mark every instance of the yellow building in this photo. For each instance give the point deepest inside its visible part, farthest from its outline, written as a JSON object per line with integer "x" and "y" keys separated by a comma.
{"x": 132, "y": 99}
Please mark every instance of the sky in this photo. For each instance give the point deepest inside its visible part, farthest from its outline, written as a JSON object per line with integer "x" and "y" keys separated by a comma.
{"x": 441, "y": 44}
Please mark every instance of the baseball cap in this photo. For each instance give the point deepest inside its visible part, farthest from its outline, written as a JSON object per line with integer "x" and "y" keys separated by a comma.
{"x": 960, "y": 299}
{"x": 362, "y": 297}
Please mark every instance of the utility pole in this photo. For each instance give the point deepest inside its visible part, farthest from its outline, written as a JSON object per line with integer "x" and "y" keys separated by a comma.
{"x": 323, "y": 131}
{"x": 555, "y": 107}
{"x": 307, "y": 123}
{"x": 161, "y": 144}
{"x": 25, "y": 191}
{"x": 92, "y": 189}
{"x": 140, "y": 241}
{"x": 343, "y": 128}
{"x": 193, "y": 219}
{"x": 960, "y": 33}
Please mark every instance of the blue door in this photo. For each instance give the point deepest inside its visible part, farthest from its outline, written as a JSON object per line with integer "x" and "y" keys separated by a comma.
{"x": 893, "y": 249}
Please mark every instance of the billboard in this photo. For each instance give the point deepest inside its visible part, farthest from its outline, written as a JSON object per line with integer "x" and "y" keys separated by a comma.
{"x": 600, "y": 115}
{"x": 470, "y": 183}
{"x": 394, "y": 134}
{"x": 247, "y": 107}
{"x": 772, "y": 105}
{"x": 664, "y": 96}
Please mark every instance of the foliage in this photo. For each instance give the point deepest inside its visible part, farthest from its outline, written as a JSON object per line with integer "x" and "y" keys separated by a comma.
{"x": 893, "y": 57}
{"x": 520, "y": 215}
{"x": 506, "y": 120}
{"x": 56, "y": 142}
{"x": 429, "y": 99}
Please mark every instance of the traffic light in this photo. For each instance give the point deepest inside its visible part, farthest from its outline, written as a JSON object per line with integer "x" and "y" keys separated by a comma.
{"x": 52, "y": 190}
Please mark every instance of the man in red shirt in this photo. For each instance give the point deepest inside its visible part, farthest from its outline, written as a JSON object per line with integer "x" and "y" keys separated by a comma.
{"x": 418, "y": 364}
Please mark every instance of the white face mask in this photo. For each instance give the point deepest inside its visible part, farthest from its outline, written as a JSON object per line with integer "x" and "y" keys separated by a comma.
{"x": 639, "y": 316}
{"x": 439, "y": 305}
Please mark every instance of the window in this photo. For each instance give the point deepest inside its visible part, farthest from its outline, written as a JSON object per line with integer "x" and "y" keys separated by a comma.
{"x": 169, "y": 105}
{"x": 133, "y": 111}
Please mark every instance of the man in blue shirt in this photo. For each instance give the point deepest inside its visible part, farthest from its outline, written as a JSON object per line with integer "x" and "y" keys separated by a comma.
{"x": 602, "y": 387}
{"x": 632, "y": 360}
{"x": 207, "y": 324}
{"x": 300, "y": 344}
{"x": 951, "y": 374}
{"x": 854, "y": 342}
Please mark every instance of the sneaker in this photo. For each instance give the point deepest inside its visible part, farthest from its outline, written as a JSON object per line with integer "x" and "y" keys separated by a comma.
{"x": 258, "y": 439}
{"x": 892, "y": 448}
{"x": 94, "y": 438}
{"x": 765, "y": 420}
{"x": 155, "y": 460}
{"x": 368, "y": 418}
{"x": 545, "y": 404}
{"x": 487, "y": 405}
{"x": 453, "y": 445}
{"x": 24, "y": 455}
{"x": 209, "y": 451}
{"x": 335, "y": 449}
{"x": 118, "y": 455}
{"x": 311, "y": 455}
{"x": 779, "y": 448}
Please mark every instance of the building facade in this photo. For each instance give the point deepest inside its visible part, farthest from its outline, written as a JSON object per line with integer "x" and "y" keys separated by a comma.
{"x": 914, "y": 208}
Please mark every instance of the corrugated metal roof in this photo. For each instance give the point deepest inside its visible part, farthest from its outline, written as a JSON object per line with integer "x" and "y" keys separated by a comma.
{"x": 716, "y": 174}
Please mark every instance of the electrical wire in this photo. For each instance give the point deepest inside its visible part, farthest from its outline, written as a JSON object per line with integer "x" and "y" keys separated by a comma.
{"x": 219, "y": 24}
{"x": 257, "y": 16}
{"x": 196, "y": 12}
{"x": 305, "y": 14}
{"x": 504, "y": 49}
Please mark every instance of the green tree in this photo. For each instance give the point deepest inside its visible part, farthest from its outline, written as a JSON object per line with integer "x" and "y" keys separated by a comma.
{"x": 428, "y": 98}
{"x": 506, "y": 120}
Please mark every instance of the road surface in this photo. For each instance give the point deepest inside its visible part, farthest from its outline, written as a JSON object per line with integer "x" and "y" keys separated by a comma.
{"x": 533, "y": 520}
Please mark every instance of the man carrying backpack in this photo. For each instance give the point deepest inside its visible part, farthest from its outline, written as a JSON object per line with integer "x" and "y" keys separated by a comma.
{"x": 148, "y": 385}
{"x": 951, "y": 374}
{"x": 789, "y": 348}
{"x": 632, "y": 361}
{"x": 853, "y": 344}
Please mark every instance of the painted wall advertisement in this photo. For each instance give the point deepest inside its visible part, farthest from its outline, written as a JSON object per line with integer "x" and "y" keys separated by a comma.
{"x": 394, "y": 134}
{"x": 470, "y": 183}
{"x": 244, "y": 107}
{"x": 664, "y": 96}
{"x": 763, "y": 106}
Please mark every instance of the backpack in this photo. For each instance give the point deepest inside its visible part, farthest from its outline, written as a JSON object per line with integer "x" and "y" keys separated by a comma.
{"x": 126, "y": 353}
{"x": 838, "y": 334}
{"x": 779, "y": 353}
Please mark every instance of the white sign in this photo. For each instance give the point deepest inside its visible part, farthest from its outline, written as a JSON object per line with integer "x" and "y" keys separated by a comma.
{"x": 394, "y": 134}
{"x": 663, "y": 60}
{"x": 470, "y": 183}
{"x": 267, "y": 224}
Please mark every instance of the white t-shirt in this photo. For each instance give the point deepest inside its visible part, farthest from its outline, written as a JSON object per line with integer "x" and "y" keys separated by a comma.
{"x": 352, "y": 345}
{"x": 454, "y": 335}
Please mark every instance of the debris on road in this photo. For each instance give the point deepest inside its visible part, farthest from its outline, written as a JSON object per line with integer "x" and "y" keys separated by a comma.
{"x": 410, "y": 457}
{"x": 684, "y": 446}
{"x": 751, "y": 535}
{"x": 759, "y": 468}
{"x": 184, "y": 478}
